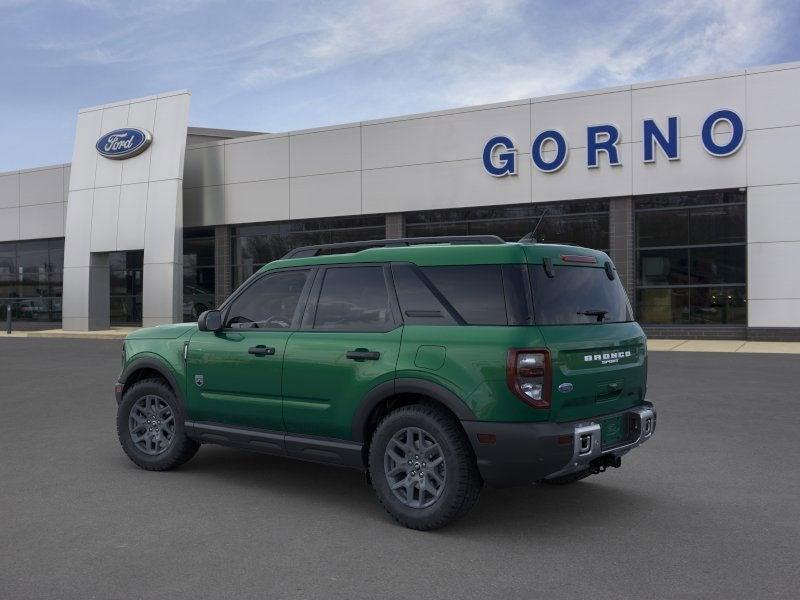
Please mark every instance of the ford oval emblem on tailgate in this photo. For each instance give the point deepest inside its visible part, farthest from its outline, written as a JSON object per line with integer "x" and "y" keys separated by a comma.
{"x": 566, "y": 388}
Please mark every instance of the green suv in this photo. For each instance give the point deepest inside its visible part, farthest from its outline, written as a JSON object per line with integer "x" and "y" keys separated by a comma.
{"x": 435, "y": 365}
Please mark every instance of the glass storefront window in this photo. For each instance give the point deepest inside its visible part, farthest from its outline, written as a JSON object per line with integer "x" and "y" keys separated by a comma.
{"x": 126, "y": 287}
{"x": 198, "y": 272}
{"x": 584, "y": 222}
{"x": 692, "y": 258}
{"x": 255, "y": 245}
{"x": 30, "y": 280}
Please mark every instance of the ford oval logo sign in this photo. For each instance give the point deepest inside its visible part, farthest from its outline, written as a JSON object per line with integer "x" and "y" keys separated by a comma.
{"x": 123, "y": 143}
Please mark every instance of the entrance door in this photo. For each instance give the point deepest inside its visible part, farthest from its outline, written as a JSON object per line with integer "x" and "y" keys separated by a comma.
{"x": 235, "y": 375}
{"x": 348, "y": 344}
{"x": 126, "y": 287}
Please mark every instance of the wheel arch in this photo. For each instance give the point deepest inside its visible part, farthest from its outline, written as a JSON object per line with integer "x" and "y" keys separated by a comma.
{"x": 401, "y": 392}
{"x": 146, "y": 367}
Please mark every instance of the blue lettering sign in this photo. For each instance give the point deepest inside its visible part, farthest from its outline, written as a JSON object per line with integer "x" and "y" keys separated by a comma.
{"x": 561, "y": 151}
{"x": 652, "y": 135}
{"x": 500, "y": 152}
{"x": 602, "y": 138}
{"x": 507, "y": 157}
{"x": 707, "y": 134}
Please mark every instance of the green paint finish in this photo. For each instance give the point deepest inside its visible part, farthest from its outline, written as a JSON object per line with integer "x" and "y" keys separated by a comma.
{"x": 430, "y": 358}
{"x": 475, "y": 366}
{"x": 322, "y": 388}
{"x": 310, "y": 386}
{"x": 238, "y": 388}
{"x": 616, "y": 354}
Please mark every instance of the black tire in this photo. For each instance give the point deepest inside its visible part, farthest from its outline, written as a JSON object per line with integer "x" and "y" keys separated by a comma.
{"x": 179, "y": 450}
{"x": 568, "y": 479}
{"x": 461, "y": 485}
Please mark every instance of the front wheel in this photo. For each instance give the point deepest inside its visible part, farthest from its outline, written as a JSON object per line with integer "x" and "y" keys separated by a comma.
{"x": 422, "y": 467}
{"x": 150, "y": 427}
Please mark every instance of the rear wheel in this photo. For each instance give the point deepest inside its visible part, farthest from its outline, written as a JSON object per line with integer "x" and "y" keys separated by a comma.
{"x": 150, "y": 427}
{"x": 422, "y": 467}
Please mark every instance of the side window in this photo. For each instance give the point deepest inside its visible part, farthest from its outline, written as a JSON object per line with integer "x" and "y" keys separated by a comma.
{"x": 269, "y": 303}
{"x": 418, "y": 303}
{"x": 475, "y": 291}
{"x": 353, "y": 298}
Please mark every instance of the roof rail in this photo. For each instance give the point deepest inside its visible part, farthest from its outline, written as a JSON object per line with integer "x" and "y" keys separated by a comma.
{"x": 307, "y": 251}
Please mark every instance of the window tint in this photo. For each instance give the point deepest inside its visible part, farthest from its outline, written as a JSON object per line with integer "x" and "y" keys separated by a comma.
{"x": 475, "y": 291}
{"x": 269, "y": 303}
{"x": 353, "y": 298}
{"x": 518, "y": 295}
{"x": 577, "y": 295}
{"x": 418, "y": 303}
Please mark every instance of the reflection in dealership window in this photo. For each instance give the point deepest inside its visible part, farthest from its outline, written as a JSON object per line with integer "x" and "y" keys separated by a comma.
{"x": 31, "y": 276}
{"x": 584, "y": 223}
{"x": 691, "y": 265}
{"x": 198, "y": 272}
{"x": 255, "y": 245}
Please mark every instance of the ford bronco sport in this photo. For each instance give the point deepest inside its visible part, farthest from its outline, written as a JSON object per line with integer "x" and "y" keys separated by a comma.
{"x": 435, "y": 365}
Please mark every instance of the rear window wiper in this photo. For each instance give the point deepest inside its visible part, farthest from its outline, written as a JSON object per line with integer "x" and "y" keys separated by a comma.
{"x": 599, "y": 313}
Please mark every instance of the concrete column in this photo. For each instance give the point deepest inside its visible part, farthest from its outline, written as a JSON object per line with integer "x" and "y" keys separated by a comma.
{"x": 87, "y": 288}
{"x": 222, "y": 263}
{"x": 121, "y": 205}
{"x": 621, "y": 243}
{"x": 395, "y": 226}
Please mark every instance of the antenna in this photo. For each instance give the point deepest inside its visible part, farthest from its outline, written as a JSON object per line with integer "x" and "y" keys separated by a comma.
{"x": 530, "y": 238}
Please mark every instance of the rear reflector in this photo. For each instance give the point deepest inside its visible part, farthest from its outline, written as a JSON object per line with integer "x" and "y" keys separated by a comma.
{"x": 487, "y": 438}
{"x": 578, "y": 258}
{"x": 565, "y": 440}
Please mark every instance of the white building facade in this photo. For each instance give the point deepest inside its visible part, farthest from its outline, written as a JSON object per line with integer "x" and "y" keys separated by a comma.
{"x": 692, "y": 186}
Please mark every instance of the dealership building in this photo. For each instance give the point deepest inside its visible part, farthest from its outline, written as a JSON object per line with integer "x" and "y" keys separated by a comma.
{"x": 692, "y": 186}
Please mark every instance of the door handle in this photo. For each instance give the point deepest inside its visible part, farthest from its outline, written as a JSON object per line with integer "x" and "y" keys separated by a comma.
{"x": 261, "y": 350}
{"x": 362, "y": 355}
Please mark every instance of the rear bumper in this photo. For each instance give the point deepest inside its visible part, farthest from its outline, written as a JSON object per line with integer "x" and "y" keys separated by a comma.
{"x": 523, "y": 453}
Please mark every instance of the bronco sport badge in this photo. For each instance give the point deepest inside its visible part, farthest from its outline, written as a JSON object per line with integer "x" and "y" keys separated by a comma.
{"x": 607, "y": 358}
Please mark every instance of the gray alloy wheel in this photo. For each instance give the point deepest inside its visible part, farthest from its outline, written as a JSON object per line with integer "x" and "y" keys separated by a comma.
{"x": 414, "y": 467}
{"x": 151, "y": 424}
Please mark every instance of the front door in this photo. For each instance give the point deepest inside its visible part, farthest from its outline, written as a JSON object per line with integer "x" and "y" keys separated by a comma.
{"x": 348, "y": 343}
{"x": 235, "y": 375}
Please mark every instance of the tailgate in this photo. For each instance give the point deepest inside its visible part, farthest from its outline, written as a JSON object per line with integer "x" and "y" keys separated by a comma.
{"x": 597, "y": 369}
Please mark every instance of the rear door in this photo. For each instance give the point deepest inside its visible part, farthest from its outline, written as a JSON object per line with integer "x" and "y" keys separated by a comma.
{"x": 598, "y": 352}
{"x": 348, "y": 343}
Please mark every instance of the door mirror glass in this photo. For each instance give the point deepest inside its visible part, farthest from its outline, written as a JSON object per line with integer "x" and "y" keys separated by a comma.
{"x": 210, "y": 320}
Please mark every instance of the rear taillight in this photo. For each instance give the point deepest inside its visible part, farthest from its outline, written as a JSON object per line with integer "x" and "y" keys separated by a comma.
{"x": 528, "y": 376}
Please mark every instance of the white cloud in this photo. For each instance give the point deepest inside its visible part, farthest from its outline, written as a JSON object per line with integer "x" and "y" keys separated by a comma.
{"x": 674, "y": 40}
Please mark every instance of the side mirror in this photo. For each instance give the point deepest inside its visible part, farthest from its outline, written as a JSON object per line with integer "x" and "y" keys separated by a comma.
{"x": 210, "y": 320}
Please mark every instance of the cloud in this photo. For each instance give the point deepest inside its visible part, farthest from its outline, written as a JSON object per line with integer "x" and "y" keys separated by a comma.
{"x": 654, "y": 42}
{"x": 276, "y": 65}
{"x": 326, "y": 39}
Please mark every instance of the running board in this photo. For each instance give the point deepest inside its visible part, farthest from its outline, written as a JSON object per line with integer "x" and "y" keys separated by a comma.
{"x": 304, "y": 447}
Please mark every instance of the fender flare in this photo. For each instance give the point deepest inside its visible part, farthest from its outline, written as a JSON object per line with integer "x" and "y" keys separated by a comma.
{"x": 407, "y": 385}
{"x": 148, "y": 362}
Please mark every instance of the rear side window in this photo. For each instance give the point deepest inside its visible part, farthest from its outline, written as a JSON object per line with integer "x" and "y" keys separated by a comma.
{"x": 578, "y": 295}
{"x": 353, "y": 298}
{"x": 474, "y": 291}
{"x": 418, "y": 302}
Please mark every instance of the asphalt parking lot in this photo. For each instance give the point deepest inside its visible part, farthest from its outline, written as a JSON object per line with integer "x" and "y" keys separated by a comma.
{"x": 710, "y": 508}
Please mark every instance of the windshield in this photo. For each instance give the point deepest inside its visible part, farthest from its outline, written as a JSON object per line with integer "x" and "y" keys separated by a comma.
{"x": 578, "y": 295}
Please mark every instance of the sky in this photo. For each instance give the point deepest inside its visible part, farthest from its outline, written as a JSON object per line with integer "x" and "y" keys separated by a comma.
{"x": 279, "y": 66}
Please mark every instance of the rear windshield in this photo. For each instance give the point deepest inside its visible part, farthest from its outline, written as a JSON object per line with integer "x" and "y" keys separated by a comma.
{"x": 578, "y": 295}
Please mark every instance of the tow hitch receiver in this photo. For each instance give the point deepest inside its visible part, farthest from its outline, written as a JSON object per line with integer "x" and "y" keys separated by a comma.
{"x": 606, "y": 461}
